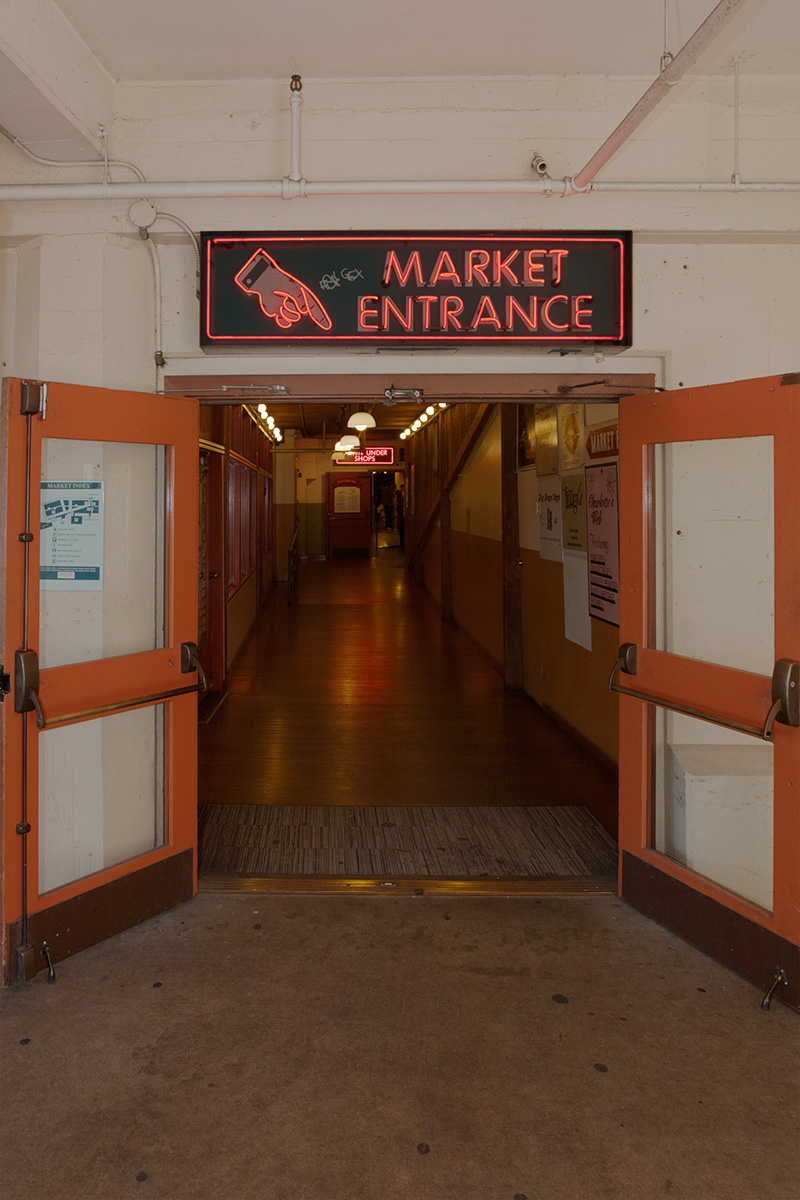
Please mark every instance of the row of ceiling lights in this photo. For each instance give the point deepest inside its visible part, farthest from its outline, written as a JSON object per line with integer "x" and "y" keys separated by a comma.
{"x": 421, "y": 420}
{"x": 272, "y": 430}
{"x": 349, "y": 443}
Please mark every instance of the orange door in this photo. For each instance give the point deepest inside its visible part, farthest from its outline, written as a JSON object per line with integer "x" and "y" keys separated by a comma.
{"x": 709, "y": 671}
{"x": 99, "y": 726}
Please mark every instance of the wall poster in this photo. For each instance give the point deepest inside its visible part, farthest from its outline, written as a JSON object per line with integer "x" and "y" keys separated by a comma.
{"x": 573, "y": 512}
{"x": 72, "y": 527}
{"x": 571, "y": 437}
{"x": 347, "y": 499}
{"x": 526, "y": 435}
{"x": 548, "y": 506}
{"x": 603, "y": 540}
{"x": 546, "y": 421}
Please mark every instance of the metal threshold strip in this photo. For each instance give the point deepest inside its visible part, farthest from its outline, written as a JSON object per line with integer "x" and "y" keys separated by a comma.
{"x": 327, "y": 885}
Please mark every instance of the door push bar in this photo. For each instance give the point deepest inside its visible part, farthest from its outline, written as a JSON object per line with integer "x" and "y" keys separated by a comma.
{"x": 26, "y": 689}
{"x": 785, "y": 695}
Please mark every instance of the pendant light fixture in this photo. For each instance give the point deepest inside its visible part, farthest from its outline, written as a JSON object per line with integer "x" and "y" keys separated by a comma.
{"x": 361, "y": 421}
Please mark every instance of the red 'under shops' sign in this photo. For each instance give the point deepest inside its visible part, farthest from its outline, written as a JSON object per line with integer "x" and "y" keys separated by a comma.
{"x": 371, "y": 456}
{"x": 567, "y": 290}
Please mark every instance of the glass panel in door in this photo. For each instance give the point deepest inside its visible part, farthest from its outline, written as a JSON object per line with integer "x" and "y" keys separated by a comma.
{"x": 713, "y": 601}
{"x": 102, "y": 566}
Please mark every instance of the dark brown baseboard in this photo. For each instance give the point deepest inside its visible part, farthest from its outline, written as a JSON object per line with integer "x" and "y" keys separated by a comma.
{"x": 749, "y": 949}
{"x": 77, "y": 924}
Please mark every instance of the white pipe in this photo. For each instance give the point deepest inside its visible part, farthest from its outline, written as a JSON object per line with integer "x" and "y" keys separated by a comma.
{"x": 183, "y": 189}
{"x": 684, "y": 59}
{"x": 736, "y": 177}
{"x": 694, "y": 187}
{"x": 289, "y": 189}
{"x": 294, "y": 168}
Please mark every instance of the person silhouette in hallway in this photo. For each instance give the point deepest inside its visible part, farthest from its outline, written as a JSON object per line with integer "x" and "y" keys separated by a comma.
{"x": 388, "y": 496}
{"x": 400, "y": 514}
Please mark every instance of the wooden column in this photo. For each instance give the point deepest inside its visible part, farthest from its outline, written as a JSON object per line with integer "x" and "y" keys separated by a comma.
{"x": 512, "y": 575}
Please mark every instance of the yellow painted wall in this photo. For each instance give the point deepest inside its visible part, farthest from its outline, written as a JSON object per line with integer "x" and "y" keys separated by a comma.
{"x": 573, "y": 682}
{"x": 478, "y": 591}
{"x": 241, "y": 615}
{"x": 432, "y": 564}
{"x": 475, "y": 499}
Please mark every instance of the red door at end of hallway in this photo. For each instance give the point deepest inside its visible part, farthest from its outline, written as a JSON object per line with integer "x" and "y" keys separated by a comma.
{"x": 99, "y": 730}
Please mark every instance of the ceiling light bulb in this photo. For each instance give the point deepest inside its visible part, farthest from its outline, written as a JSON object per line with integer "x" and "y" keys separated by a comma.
{"x": 430, "y": 410}
{"x": 361, "y": 420}
{"x": 262, "y": 408}
{"x": 423, "y": 417}
{"x": 350, "y": 441}
{"x": 442, "y": 405}
{"x": 270, "y": 421}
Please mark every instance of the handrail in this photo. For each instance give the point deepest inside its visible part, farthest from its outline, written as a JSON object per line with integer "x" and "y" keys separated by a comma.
{"x": 780, "y": 709}
{"x": 291, "y": 571}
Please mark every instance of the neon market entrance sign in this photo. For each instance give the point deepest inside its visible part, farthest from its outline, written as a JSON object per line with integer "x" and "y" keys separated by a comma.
{"x": 554, "y": 290}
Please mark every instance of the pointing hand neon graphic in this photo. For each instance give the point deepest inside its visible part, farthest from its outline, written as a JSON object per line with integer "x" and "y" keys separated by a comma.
{"x": 282, "y": 297}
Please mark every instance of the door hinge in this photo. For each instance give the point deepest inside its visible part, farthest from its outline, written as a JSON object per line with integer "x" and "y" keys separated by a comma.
{"x": 33, "y": 399}
{"x": 5, "y": 683}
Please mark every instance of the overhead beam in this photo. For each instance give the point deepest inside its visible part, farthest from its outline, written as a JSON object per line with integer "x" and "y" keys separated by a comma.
{"x": 65, "y": 87}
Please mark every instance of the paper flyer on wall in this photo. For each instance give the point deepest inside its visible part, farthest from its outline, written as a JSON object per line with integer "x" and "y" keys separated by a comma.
{"x": 577, "y": 622}
{"x": 573, "y": 512}
{"x": 603, "y": 537}
{"x": 548, "y": 506}
{"x": 72, "y": 527}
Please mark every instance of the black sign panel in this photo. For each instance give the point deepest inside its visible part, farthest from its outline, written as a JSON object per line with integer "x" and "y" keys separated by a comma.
{"x": 567, "y": 290}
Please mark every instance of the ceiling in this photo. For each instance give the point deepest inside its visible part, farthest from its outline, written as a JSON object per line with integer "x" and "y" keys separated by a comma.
{"x": 149, "y": 40}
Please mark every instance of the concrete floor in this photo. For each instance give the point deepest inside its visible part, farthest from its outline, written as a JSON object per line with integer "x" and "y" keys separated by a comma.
{"x": 397, "y": 1048}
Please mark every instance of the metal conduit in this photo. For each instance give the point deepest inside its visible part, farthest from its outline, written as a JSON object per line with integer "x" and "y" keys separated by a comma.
{"x": 672, "y": 72}
{"x": 289, "y": 189}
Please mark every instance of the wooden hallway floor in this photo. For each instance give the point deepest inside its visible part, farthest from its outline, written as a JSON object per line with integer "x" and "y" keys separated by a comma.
{"x": 360, "y": 696}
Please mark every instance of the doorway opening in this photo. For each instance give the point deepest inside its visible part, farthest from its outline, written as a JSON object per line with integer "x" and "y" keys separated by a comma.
{"x": 311, "y": 814}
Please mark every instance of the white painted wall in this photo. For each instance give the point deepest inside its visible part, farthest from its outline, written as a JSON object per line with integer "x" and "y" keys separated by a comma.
{"x": 716, "y": 277}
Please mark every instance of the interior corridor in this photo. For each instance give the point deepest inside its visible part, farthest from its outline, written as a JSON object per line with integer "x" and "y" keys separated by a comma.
{"x": 363, "y": 738}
